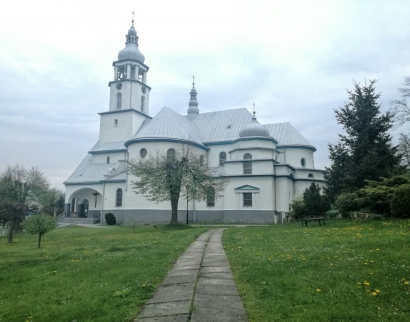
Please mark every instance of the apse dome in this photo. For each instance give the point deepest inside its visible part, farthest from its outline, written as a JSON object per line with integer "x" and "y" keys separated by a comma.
{"x": 254, "y": 129}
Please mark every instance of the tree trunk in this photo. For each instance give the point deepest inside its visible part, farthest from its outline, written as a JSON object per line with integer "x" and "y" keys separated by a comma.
{"x": 174, "y": 207}
{"x": 11, "y": 230}
{"x": 39, "y": 239}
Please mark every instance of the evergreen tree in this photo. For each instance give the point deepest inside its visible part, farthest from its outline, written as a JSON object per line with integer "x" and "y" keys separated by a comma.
{"x": 314, "y": 203}
{"x": 365, "y": 152}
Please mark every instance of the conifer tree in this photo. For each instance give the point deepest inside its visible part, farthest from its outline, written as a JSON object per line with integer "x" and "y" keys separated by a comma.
{"x": 365, "y": 151}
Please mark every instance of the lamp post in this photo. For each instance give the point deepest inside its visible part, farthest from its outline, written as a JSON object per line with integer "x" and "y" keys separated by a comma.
{"x": 187, "y": 209}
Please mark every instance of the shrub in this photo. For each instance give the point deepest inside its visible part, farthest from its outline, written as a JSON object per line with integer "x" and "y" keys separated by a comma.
{"x": 346, "y": 202}
{"x": 39, "y": 225}
{"x": 110, "y": 219}
{"x": 298, "y": 208}
{"x": 314, "y": 203}
{"x": 400, "y": 203}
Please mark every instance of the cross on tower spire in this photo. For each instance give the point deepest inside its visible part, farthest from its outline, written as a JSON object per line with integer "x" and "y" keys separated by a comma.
{"x": 132, "y": 17}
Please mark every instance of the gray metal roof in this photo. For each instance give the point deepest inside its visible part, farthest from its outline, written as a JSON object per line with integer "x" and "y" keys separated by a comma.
{"x": 286, "y": 134}
{"x": 109, "y": 146}
{"x": 222, "y": 125}
{"x": 88, "y": 172}
{"x": 168, "y": 124}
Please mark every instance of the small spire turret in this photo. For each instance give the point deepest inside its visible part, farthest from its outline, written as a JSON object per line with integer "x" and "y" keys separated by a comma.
{"x": 193, "y": 109}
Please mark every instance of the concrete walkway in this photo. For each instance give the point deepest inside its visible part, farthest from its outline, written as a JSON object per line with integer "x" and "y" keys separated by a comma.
{"x": 200, "y": 287}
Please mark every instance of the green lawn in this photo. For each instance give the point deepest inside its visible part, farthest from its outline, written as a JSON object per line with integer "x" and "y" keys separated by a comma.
{"x": 344, "y": 271}
{"x": 86, "y": 274}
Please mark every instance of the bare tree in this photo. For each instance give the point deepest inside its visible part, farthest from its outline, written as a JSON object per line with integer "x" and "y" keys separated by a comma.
{"x": 21, "y": 193}
{"x": 404, "y": 148}
{"x": 400, "y": 108}
{"x": 401, "y": 112}
{"x": 179, "y": 172}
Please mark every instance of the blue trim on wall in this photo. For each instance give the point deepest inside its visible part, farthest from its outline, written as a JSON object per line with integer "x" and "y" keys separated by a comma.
{"x": 166, "y": 140}
{"x": 249, "y": 160}
{"x": 123, "y": 111}
{"x": 107, "y": 151}
{"x": 93, "y": 182}
{"x": 307, "y": 147}
{"x": 251, "y": 138}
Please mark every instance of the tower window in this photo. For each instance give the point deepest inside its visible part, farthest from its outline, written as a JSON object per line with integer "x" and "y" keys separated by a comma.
{"x": 118, "y": 198}
{"x": 247, "y": 199}
{"x": 108, "y": 159}
{"x": 142, "y": 103}
{"x": 247, "y": 165}
{"x": 310, "y": 175}
{"x": 222, "y": 158}
{"x": 115, "y": 122}
{"x": 119, "y": 100}
{"x": 210, "y": 197}
{"x": 303, "y": 162}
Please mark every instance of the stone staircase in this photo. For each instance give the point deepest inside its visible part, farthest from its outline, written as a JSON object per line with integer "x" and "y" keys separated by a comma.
{"x": 75, "y": 221}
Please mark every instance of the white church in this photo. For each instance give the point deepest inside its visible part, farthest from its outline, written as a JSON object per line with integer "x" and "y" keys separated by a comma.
{"x": 266, "y": 165}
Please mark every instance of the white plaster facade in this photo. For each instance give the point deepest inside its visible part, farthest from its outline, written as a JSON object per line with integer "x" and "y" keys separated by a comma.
{"x": 266, "y": 165}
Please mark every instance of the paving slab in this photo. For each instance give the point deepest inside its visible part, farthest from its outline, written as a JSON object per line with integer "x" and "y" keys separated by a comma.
{"x": 170, "y": 318}
{"x": 202, "y": 277}
{"x": 164, "y": 309}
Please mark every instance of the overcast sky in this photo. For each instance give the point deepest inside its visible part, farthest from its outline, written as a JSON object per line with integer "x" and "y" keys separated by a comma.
{"x": 294, "y": 59}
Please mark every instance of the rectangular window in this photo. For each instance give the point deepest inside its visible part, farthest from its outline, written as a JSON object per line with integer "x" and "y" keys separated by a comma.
{"x": 210, "y": 198}
{"x": 247, "y": 199}
{"x": 108, "y": 159}
{"x": 247, "y": 167}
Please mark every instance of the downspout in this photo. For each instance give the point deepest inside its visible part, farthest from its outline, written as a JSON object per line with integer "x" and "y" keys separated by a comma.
{"x": 102, "y": 203}
{"x": 193, "y": 209}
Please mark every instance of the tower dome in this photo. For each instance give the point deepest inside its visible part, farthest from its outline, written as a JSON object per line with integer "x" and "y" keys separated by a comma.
{"x": 254, "y": 129}
{"x": 193, "y": 109}
{"x": 131, "y": 51}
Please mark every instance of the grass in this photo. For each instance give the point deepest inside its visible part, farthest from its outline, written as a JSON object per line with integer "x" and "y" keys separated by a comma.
{"x": 344, "y": 271}
{"x": 86, "y": 274}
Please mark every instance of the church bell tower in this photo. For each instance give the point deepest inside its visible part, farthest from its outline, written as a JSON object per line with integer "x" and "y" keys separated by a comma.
{"x": 129, "y": 88}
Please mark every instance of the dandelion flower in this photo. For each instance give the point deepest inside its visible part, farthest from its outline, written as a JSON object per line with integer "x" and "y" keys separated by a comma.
{"x": 374, "y": 293}
{"x": 318, "y": 290}
{"x": 406, "y": 282}
{"x": 377, "y": 291}
{"x": 143, "y": 285}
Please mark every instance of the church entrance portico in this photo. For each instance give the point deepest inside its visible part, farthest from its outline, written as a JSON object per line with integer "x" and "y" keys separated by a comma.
{"x": 84, "y": 203}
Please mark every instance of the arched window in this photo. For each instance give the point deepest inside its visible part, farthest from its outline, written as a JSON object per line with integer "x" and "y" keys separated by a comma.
{"x": 210, "y": 197}
{"x": 170, "y": 155}
{"x": 119, "y": 100}
{"x": 142, "y": 103}
{"x": 108, "y": 159}
{"x": 222, "y": 158}
{"x": 118, "y": 198}
{"x": 303, "y": 162}
{"x": 310, "y": 175}
{"x": 247, "y": 165}
{"x": 201, "y": 160}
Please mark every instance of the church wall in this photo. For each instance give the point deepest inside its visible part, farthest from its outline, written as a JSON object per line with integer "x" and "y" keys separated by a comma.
{"x": 122, "y": 130}
{"x": 293, "y": 156}
{"x": 114, "y": 157}
{"x": 213, "y": 154}
{"x": 261, "y": 200}
{"x": 255, "y": 153}
{"x": 284, "y": 194}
